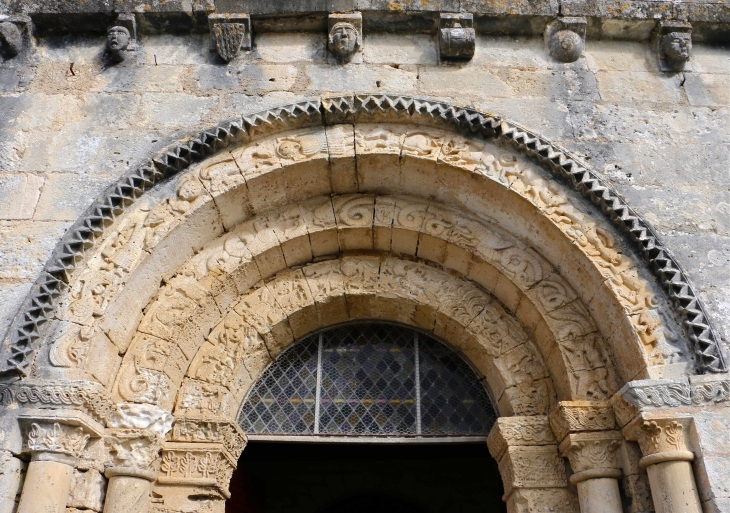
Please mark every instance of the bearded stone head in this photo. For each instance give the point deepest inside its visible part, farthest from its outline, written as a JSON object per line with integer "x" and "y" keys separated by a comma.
{"x": 343, "y": 41}
{"x": 676, "y": 48}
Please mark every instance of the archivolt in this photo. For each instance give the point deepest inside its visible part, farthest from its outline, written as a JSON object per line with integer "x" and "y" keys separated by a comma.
{"x": 155, "y": 228}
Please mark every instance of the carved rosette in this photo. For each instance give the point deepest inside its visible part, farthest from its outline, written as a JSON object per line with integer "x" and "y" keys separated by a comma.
{"x": 532, "y": 467}
{"x": 55, "y": 437}
{"x": 519, "y": 431}
{"x": 579, "y": 416}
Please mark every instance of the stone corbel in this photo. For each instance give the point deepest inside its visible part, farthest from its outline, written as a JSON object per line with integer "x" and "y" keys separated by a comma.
{"x": 230, "y": 34}
{"x": 565, "y": 38}
{"x": 673, "y": 44}
{"x": 457, "y": 38}
{"x": 344, "y": 38}
{"x": 121, "y": 38}
{"x": 15, "y": 36}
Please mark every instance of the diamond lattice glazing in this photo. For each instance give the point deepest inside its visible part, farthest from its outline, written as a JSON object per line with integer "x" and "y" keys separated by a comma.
{"x": 370, "y": 379}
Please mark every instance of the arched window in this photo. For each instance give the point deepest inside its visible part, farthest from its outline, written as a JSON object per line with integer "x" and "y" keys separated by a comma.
{"x": 368, "y": 379}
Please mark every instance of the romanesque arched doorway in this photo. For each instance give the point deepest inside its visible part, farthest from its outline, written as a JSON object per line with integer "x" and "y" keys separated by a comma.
{"x": 398, "y": 418}
{"x": 166, "y": 302}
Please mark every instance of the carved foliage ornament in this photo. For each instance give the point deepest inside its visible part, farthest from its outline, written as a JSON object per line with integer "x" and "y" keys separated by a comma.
{"x": 56, "y": 437}
{"x": 31, "y": 323}
{"x": 656, "y": 436}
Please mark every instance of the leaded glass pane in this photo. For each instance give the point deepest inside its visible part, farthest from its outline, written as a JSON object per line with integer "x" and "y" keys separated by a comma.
{"x": 282, "y": 401}
{"x": 368, "y": 381}
{"x": 453, "y": 399}
{"x": 371, "y": 379}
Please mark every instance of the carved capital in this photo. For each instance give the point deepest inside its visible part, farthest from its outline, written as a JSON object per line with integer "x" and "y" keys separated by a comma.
{"x": 661, "y": 437}
{"x": 579, "y": 416}
{"x": 202, "y": 465}
{"x": 593, "y": 451}
{"x": 132, "y": 448}
{"x": 519, "y": 431}
{"x": 532, "y": 467}
{"x": 46, "y": 436}
{"x": 198, "y": 429}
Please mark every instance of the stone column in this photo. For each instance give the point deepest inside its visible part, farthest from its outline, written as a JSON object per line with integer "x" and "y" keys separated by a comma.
{"x": 133, "y": 444}
{"x": 589, "y": 441}
{"x": 54, "y": 448}
{"x": 663, "y": 438}
{"x": 130, "y": 474}
{"x": 532, "y": 470}
{"x": 12, "y": 471}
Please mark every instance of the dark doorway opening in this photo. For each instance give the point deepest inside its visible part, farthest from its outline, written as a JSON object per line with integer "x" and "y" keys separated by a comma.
{"x": 358, "y": 478}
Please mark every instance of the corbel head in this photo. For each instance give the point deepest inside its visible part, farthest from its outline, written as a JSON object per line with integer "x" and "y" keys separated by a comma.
{"x": 344, "y": 39}
{"x": 674, "y": 45}
{"x": 121, "y": 38}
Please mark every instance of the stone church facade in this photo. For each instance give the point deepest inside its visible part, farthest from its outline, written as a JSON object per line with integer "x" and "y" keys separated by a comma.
{"x": 187, "y": 189}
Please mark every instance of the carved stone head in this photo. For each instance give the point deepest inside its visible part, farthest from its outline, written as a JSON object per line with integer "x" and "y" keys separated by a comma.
{"x": 676, "y": 48}
{"x": 117, "y": 42}
{"x": 11, "y": 40}
{"x": 343, "y": 41}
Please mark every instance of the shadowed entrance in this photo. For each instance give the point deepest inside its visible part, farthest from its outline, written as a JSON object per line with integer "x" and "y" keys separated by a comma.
{"x": 328, "y": 478}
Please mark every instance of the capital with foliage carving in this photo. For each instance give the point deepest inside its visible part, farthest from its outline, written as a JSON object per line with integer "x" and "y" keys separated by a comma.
{"x": 661, "y": 437}
{"x": 593, "y": 455}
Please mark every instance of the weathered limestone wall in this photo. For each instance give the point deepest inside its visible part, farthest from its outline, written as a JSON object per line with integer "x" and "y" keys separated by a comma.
{"x": 68, "y": 127}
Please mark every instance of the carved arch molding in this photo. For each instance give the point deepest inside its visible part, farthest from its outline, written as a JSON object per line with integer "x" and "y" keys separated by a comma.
{"x": 191, "y": 274}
